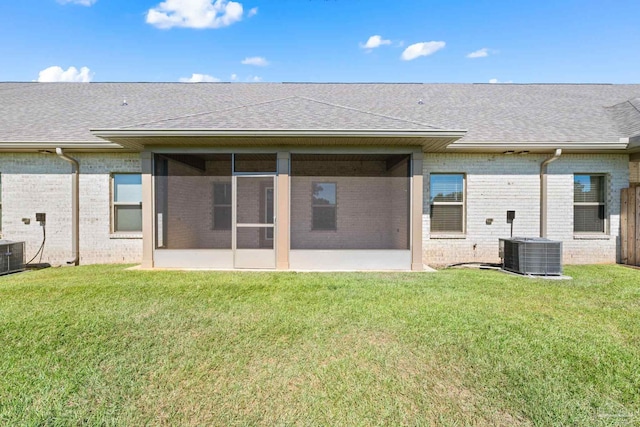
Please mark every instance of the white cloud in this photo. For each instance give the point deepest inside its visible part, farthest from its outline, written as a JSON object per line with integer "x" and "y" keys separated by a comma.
{"x": 493, "y": 81}
{"x": 480, "y": 53}
{"x": 254, "y": 79}
{"x": 252, "y": 12}
{"x": 421, "y": 49}
{"x": 199, "y": 78}
{"x": 80, "y": 2}
{"x": 234, "y": 77}
{"x": 374, "y": 41}
{"x": 57, "y": 74}
{"x": 195, "y": 14}
{"x": 256, "y": 60}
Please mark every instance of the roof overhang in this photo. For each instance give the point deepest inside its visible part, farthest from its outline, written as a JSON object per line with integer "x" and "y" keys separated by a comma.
{"x": 623, "y": 146}
{"x": 35, "y": 146}
{"x": 634, "y": 146}
{"x": 431, "y": 140}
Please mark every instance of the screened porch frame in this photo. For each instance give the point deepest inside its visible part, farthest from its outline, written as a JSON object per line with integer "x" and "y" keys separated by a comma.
{"x": 153, "y": 257}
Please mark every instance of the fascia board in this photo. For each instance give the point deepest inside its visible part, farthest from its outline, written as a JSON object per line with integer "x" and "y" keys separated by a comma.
{"x": 634, "y": 144}
{"x": 349, "y": 133}
{"x": 537, "y": 146}
{"x": 13, "y": 146}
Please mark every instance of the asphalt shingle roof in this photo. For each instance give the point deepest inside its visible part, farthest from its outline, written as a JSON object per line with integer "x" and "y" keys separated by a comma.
{"x": 289, "y": 113}
{"x": 627, "y": 116}
{"x": 63, "y": 112}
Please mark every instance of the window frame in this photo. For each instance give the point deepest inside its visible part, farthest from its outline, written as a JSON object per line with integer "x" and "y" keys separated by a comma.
{"x": 333, "y": 206}
{"x": 462, "y": 203}
{"x": 605, "y": 208}
{"x": 221, "y": 205}
{"x": 115, "y": 204}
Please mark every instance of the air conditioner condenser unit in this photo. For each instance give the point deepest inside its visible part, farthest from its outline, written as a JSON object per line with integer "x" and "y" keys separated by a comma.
{"x": 12, "y": 256}
{"x": 531, "y": 255}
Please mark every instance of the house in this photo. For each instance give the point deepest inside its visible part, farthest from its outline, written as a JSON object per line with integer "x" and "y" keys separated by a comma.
{"x": 313, "y": 176}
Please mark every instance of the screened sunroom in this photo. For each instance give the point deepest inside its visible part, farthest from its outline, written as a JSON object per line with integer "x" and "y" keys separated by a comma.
{"x": 300, "y": 211}
{"x": 350, "y": 209}
{"x": 291, "y": 184}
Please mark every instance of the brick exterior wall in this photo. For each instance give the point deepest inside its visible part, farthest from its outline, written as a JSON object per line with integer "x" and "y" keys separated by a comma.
{"x": 497, "y": 183}
{"x": 400, "y": 190}
{"x": 371, "y": 208}
{"x": 372, "y": 211}
{"x": 35, "y": 182}
{"x": 494, "y": 184}
{"x": 190, "y": 207}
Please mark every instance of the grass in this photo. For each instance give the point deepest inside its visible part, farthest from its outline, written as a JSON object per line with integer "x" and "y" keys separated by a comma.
{"x": 100, "y": 345}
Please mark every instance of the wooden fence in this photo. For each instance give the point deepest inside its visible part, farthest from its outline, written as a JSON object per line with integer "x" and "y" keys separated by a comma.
{"x": 630, "y": 226}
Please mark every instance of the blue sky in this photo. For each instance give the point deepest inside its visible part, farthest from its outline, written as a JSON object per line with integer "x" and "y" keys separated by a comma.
{"x": 321, "y": 40}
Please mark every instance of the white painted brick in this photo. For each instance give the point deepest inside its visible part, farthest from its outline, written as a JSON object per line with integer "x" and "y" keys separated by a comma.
{"x": 497, "y": 183}
{"x": 42, "y": 183}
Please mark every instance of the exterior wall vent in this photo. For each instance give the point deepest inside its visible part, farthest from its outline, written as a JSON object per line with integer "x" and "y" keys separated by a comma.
{"x": 11, "y": 257}
{"x": 531, "y": 255}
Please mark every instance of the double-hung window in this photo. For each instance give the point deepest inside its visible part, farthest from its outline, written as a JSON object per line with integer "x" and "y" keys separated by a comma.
{"x": 127, "y": 202}
{"x": 446, "y": 191}
{"x": 589, "y": 206}
{"x": 323, "y": 206}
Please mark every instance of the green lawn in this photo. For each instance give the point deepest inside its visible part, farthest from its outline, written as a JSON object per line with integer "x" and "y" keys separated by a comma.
{"x": 101, "y": 345}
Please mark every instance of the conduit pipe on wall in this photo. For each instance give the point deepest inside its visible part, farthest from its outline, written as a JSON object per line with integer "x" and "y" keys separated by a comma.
{"x": 543, "y": 191}
{"x": 75, "y": 206}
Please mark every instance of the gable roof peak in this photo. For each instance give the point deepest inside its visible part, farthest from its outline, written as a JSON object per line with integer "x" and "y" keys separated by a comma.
{"x": 289, "y": 112}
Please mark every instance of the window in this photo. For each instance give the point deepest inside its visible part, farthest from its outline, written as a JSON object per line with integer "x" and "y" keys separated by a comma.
{"x": 323, "y": 206}
{"x": 127, "y": 202}
{"x": 222, "y": 206}
{"x": 589, "y": 209}
{"x": 447, "y": 203}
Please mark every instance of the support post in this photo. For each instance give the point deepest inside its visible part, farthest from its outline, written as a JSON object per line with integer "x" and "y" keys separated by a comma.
{"x": 146, "y": 159}
{"x": 631, "y": 227}
{"x": 416, "y": 210}
{"x": 637, "y": 226}
{"x": 283, "y": 211}
{"x": 544, "y": 192}
{"x": 624, "y": 224}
